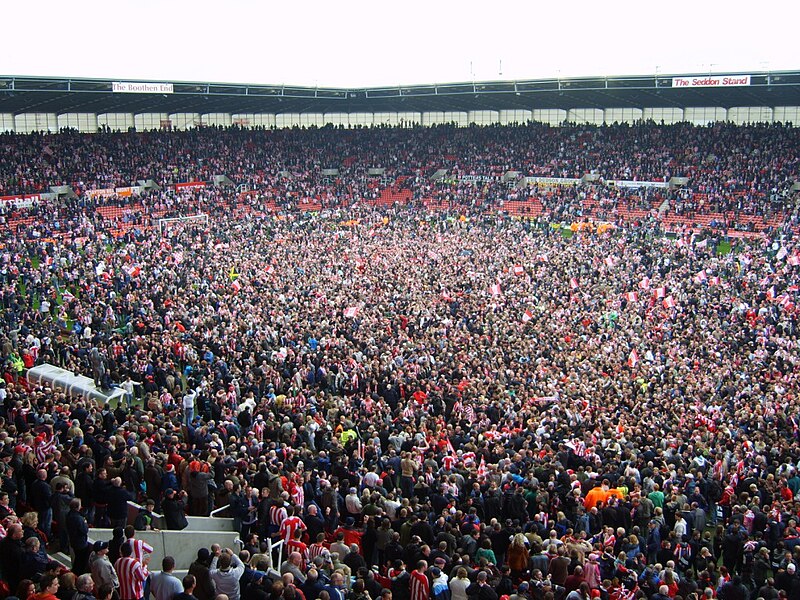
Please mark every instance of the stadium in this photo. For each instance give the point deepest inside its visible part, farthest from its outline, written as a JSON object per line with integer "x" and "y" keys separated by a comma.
{"x": 502, "y": 339}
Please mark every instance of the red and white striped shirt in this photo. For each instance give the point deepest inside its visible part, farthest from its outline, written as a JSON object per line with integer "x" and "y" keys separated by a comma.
{"x": 315, "y": 550}
{"x": 288, "y": 526}
{"x": 419, "y": 586}
{"x": 132, "y": 575}
{"x": 140, "y": 549}
{"x": 277, "y": 514}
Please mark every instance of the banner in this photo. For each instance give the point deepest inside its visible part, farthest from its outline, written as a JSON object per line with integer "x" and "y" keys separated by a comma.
{"x": 480, "y": 178}
{"x": 711, "y": 81}
{"x": 190, "y": 185}
{"x": 133, "y": 87}
{"x": 625, "y": 183}
{"x": 101, "y": 193}
{"x": 23, "y": 200}
{"x": 125, "y": 192}
{"x": 552, "y": 181}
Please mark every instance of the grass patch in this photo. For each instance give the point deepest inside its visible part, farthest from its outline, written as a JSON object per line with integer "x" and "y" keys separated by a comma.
{"x": 35, "y": 262}
{"x": 723, "y": 248}
{"x": 567, "y": 233}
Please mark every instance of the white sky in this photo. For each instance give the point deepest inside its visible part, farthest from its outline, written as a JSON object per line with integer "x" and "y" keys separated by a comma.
{"x": 357, "y": 43}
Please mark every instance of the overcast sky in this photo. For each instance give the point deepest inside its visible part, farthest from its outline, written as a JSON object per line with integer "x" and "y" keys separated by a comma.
{"x": 371, "y": 43}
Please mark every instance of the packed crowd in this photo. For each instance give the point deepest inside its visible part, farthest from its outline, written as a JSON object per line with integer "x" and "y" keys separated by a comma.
{"x": 737, "y": 169}
{"x": 417, "y": 406}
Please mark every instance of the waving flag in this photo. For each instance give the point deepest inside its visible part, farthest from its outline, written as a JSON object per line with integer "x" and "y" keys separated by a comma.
{"x": 644, "y": 284}
{"x": 633, "y": 358}
{"x": 701, "y": 276}
{"x": 236, "y": 286}
{"x": 661, "y": 292}
{"x": 519, "y": 270}
{"x": 771, "y": 293}
{"x": 782, "y": 253}
{"x": 67, "y": 296}
{"x": 669, "y": 302}
{"x": 631, "y": 296}
{"x": 527, "y": 316}
{"x": 714, "y": 281}
{"x": 495, "y": 289}
{"x": 482, "y": 469}
{"x": 232, "y": 274}
{"x": 573, "y": 283}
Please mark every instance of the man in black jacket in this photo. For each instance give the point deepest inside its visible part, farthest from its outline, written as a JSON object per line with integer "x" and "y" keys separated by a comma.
{"x": 11, "y": 551}
{"x": 78, "y": 533}
{"x": 40, "y": 498}
{"x": 118, "y": 498}
{"x": 174, "y": 507}
{"x": 481, "y": 590}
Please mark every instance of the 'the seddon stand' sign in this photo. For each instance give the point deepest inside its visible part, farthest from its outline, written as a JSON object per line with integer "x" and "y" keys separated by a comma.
{"x": 711, "y": 81}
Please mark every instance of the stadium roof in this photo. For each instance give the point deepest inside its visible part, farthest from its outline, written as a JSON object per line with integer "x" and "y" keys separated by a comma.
{"x": 68, "y": 95}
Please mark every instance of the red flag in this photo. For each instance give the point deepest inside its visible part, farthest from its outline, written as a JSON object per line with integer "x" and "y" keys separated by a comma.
{"x": 270, "y": 270}
{"x": 482, "y": 469}
{"x": 631, "y": 296}
{"x": 573, "y": 283}
{"x": 661, "y": 292}
{"x": 715, "y": 281}
{"x": 67, "y": 297}
{"x": 236, "y": 286}
{"x": 633, "y": 358}
{"x": 669, "y": 302}
{"x": 527, "y": 316}
{"x": 771, "y": 293}
{"x": 701, "y": 276}
{"x": 518, "y": 270}
{"x": 644, "y": 284}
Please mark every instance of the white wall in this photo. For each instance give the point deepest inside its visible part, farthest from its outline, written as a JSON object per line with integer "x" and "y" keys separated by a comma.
{"x": 89, "y": 122}
{"x": 116, "y": 121}
{"x": 622, "y": 115}
{"x": 483, "y": 117}
{"x": 83, "y": 122}
{"x": 669, "y": 115}
{"x": 592, "y": 116}
{"x": 437, "y": 118}
{"x": 287, "y": 120}
{"x": 183, "y": 121}
{"x": 6, "y": 122}
{"x": 787, "y": 114}
{"x": 553, "y": 116}
{"x": 703, "y": 115}
{"x": 750, "y": 114}
{"x": 253, "y": 119}
{"x": 148, "y": 121}
{"x": 216, "y": 119}
{"x": 515, "y": 116}
{"x": 336, "y": 119}
{"x": 28, "y": 122}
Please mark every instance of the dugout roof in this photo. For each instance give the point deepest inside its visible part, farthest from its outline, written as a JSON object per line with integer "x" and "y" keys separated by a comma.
{"x": 72, "y": 95}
